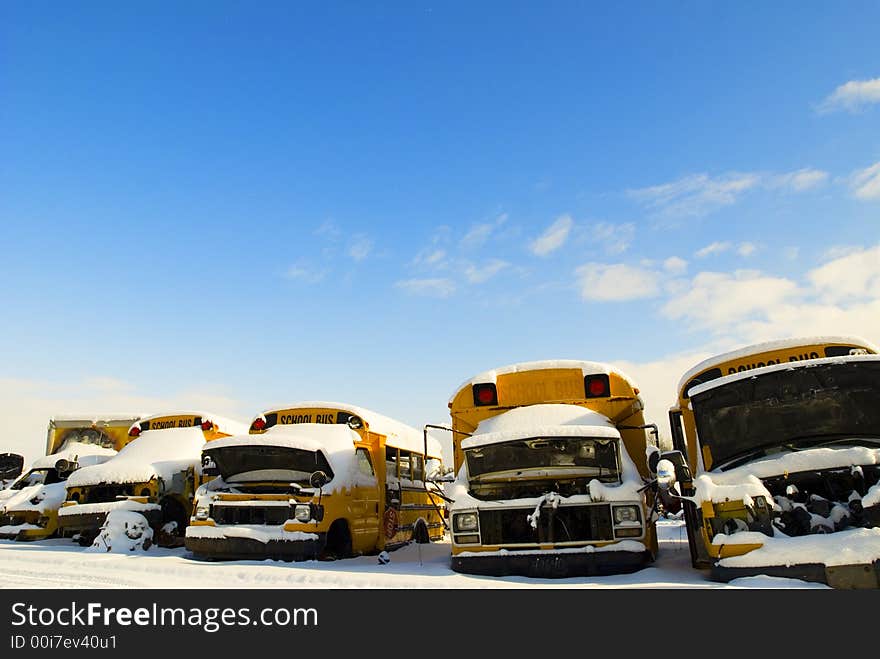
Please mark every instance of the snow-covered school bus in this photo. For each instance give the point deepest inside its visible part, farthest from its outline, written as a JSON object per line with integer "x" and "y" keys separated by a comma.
{"x": 778, "y": 461}
{"x": 317, "y": 480}
{"x": 29, "y": 508}
{"x": 156, "y": 474}
{"x": 551, "y": 471}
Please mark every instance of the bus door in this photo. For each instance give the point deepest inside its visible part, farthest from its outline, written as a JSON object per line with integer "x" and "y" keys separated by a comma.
{"x": 365, "y": 511}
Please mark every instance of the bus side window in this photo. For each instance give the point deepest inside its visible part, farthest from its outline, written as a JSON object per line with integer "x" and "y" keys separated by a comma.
{"x": 418, "y": 467}
{"x": 365, "y": 465}
{"x": 404, "y": 462}
{"x": 390, "y": 462}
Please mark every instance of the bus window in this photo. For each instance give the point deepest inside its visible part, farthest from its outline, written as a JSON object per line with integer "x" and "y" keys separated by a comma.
{"x": 390, "y": 462}
{"x": 404, "y": 462}
{"x": 365, "y": 465}
{"x": 418, "y": 467}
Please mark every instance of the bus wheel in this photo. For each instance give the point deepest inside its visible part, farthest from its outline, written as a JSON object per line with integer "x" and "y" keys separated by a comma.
{"x": 338, "y": 541}
{"x": 420, "y": 533}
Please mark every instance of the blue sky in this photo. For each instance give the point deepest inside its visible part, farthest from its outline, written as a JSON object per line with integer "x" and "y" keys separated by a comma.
{"x": 237, "y": 205}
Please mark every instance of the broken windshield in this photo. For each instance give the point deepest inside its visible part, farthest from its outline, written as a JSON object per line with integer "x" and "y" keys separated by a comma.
{"x": 267, "y": 463}
{"x": 573, "y": 457}
{"x": 790, "y": 409}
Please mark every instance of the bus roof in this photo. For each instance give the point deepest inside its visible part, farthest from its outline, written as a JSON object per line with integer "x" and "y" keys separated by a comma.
{"x": 586, "y": 367}
{"x": 75, "y": 420}
{"x": 769, "y": 346}
{"x": 400, "y": 434}
{"x": 785, "y": 366}
{"x": 225, "y": 424}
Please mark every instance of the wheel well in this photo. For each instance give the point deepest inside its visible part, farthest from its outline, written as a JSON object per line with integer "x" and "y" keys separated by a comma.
{"x": 339, "y": 538}
{"x": 420, "y": 533}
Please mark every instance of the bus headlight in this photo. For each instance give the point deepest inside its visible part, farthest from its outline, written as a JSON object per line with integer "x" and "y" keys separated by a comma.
{"x": 202, "y": 512}
{"x": 465, "y": 522}
{"x": 302, "y": 512}
{"x": 626, "y": 514}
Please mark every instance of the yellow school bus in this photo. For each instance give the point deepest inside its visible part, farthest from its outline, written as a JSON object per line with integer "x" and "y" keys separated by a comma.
{"x": 317, "y": 480}
{"x": 778, "y": 460}
{"x": 29, "y": 508}
{"x": 155, "y": 474}
{"x": 551, "y": 472}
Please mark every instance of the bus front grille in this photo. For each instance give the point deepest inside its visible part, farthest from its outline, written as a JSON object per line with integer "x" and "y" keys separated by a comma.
{"x": 271, "y": 515}
{"x": 563, "y": 524}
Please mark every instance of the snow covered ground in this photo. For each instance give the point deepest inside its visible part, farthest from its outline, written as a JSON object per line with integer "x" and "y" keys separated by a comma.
{"x": 61, "y": 564}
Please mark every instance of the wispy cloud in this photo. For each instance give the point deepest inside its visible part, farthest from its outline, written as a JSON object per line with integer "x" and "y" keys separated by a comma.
{"x": 305, "y": 273}
{"x": 436, "y": 287}
{"x": 553, "y": 237}
{"x": 798, "y": 181}
{"x": 478, "y": 275}
{"x": 675, "y": 265}
{"x": 615, "y": 238}
{"x": 360, "y": 247}
{"x": 479, "y": 233}
{"x": 616, "y": 282}
{"x": 432, "y": 257}
{"x": 852, "y": 96}
{"x": 328, "y": 229}
{"x": 865, "y": 183}
{"x": 695, "y": 195}
{"x": 712, "y": 249}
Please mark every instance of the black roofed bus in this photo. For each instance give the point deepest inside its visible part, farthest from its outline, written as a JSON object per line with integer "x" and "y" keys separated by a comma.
{"x": 317, "y": 480}
{"x": 777, "y": 461}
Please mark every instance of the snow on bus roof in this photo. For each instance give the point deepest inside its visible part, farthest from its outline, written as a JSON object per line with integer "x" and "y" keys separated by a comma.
{"x": 773, "y": 368}
{"x": 400, "y": 434}
{"x": 332, "y": 438}
{"x": 225, "y": 424}
{"x": 586, "y": 367}
{"x": 93, "y": 418}
{"x": 544, "y": 420}
{"x": 768, "y": 346}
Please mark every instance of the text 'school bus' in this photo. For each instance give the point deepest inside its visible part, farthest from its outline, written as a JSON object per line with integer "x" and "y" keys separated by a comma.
{"x": 156, "y": 474}
{"x": 781, "y": 461}
{"x": 29, "y": 508}
{"x": 551, "y": 466}
{"x": 317, "y": 480}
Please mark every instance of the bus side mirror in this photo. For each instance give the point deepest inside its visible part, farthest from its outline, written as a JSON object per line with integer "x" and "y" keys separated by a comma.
{"x": 318, "y": 479}
{"x": 653, "y": 458}
{"x": 63, "y": 466}
{"x": 209, "y": 467}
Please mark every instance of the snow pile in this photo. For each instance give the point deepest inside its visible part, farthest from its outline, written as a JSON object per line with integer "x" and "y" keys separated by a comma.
{"x": 155, "y": 453}
{"x": 804, "y": 460}
{"x": 546, "y": 420}
{"x": 129, "y": 505}
{"x": 848, "y": 547}
{"x": 35, "y": 497}
{"x": 717, "y": 488}
{"x": 872, "y": 496}
{"x": 620, "y": 545}
{"x": 83, "y": 453}
{"x": 123, "y": 531}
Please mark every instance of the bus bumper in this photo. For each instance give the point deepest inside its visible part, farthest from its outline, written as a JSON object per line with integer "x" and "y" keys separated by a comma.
{"x": 89, "y": 523}
{"x": 853, "y": 576}
{"x": 552, "y": 565}
{"x": 26, "y": 526}
{"x": 236, "y": 548}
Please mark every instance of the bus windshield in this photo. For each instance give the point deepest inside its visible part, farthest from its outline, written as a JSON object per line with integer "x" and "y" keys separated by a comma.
{"x": 45, "y": 476}
{"x": 572, "y": 457}
{"x": 267, "y": 463}
{"x": 788, "y": 410}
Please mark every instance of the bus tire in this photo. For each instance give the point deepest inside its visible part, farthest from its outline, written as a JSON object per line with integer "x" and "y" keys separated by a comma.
{"x": 420, "y": 533}
{"x": 338, "y": 543}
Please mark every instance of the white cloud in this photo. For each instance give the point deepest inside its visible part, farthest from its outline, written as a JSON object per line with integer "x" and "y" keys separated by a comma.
{"x": 865, "y": 183}
{"x": 798, "y": 181}
{"x": 360, "y": 247}
{"x": 615, "y": 237}
{"x": 616, "y": 282}
{"x": 853, "y": 276}
{"x": 305, "y": 273}
{"x": 329, "y": 230}
{"x": 695, "y": 195}
{"x": 432, "y": 257}
{"x": 746, "y": 249}
{"x": 479, "y": 233}
{"x": 478, "y": 275}
{"x": 712, "y": 249}
{"x": 841, "y": 296}
{"x": 852, "y": 96}
{"x": 437, "y": 287}
{"x": 553, "y": 237}
{"x": 675, "y": 265}
{"x": 715, "y": 300}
